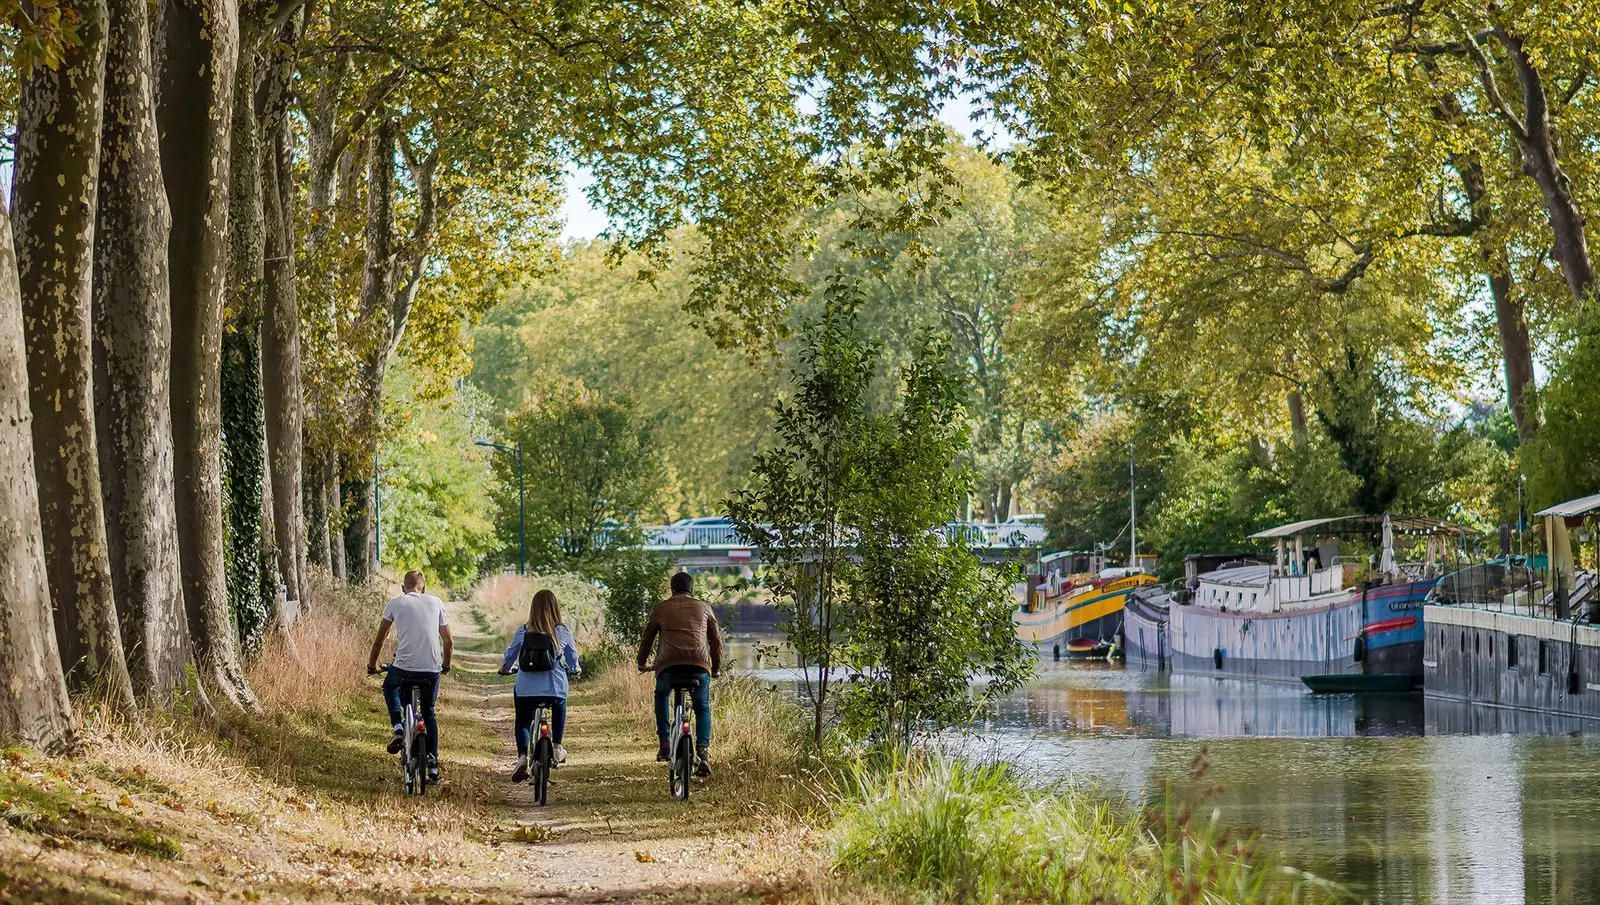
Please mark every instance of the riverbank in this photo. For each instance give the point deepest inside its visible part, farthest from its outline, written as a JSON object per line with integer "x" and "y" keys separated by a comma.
{"x": 303, "y": 805}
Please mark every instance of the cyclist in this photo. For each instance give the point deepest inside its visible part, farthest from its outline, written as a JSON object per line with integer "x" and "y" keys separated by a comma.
{"x": 691, "y": 646}
{"x": 544, "y": 653}
{"x": 422, "y": 650}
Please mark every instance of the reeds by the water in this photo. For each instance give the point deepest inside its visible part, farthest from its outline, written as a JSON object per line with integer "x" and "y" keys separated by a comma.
{"x": 933, "y": 829}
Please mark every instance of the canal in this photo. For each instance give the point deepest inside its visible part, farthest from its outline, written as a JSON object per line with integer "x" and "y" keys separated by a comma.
{"x": 1405, "y": 800}
{"x": 1401, "y": 799}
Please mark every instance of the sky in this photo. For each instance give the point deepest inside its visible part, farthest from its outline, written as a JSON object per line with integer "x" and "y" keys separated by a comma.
{"x": 584, "y": 221}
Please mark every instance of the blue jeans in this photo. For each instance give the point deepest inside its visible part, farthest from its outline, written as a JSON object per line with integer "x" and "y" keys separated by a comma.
{"x": 701, "y": 697}
{"x": 398, "y": 679}
{"x": 526, "y": 705}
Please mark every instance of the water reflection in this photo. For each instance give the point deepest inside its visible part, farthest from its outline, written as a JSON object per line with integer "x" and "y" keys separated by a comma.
{"x": 1409, "y": 801}
{"x": 1404, "y": 799}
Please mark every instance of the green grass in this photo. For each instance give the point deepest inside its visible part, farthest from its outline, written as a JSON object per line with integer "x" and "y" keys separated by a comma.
{"x": 49, "y": 807}
{"x": 934, "y": 830}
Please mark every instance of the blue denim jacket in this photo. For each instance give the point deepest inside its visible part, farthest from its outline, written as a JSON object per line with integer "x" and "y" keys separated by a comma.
{"x": 552, "y": 684}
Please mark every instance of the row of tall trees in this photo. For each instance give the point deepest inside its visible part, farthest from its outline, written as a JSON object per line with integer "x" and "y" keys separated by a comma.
{"x": 231, "y": 218}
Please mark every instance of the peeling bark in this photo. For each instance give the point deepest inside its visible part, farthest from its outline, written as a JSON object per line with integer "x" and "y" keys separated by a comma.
{"x": 198, "y": 47}
{"x": 133, "y": 360}
{"x": 33, "y": 692}
{"x": 57, "y": 167}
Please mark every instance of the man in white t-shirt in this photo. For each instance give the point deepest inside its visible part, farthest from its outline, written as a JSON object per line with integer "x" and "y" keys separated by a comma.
{"x": 422, "y": 649}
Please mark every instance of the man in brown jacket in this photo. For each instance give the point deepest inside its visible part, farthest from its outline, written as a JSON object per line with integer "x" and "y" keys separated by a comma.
{"x": 691, "y": 648}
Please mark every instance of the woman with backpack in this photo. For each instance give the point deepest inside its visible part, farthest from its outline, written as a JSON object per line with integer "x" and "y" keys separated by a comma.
{"x": 542, "y": 654}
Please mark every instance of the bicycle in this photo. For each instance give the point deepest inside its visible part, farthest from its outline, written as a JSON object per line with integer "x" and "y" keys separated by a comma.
{"x": 681, "y": 740}
{"x": 414, "y": 747}
{"x": 542, "y": 754}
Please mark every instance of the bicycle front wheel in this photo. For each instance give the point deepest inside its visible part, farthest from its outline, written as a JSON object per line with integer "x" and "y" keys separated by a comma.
{"x": 682, "y": 769}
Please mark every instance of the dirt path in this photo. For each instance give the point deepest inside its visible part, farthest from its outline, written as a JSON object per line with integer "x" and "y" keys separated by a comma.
{"x": 610, "y": 832}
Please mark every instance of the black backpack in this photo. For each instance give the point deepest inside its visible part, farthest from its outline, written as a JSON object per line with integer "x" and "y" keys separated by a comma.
{"x": 539, "y": 652}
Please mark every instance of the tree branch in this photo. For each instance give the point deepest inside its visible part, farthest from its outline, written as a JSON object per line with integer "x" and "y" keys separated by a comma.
{"x": 1491, "y": 86}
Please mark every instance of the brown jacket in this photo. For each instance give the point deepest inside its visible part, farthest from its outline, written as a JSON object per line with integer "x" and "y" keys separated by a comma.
{"x": 689, "y": 635}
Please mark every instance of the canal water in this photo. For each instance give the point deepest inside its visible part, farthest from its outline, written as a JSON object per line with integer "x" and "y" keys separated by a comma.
{"x": 1402, "y": 799}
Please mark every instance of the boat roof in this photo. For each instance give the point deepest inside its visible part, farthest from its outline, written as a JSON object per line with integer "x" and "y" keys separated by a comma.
{"x": 1240, "y": 576}
{"x": 1583, "y": 505}
{"x": 1362, "y": 524}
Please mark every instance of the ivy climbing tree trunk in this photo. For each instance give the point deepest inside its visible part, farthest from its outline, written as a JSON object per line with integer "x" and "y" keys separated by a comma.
{"x": 251, "y": 567}
{"x": 33, "y": 692}
{"x": 198, "y": 45}
{"x": 133, "y": 360}
{"x": 57, "y": 166}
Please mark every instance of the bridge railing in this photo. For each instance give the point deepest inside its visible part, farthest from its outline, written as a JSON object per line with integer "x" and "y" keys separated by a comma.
{"x": 690, "y": 537}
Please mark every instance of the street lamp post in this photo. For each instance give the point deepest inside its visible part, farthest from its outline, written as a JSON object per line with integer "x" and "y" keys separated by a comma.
{"x": 522, "y": 525}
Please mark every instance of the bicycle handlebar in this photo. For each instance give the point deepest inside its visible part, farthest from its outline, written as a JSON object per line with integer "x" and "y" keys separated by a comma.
{"x": 388, "y": 666}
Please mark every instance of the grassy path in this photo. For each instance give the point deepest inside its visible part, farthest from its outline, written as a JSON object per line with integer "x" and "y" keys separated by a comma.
{"x": 610, "y": 832}
{"x": 305, "y": 807}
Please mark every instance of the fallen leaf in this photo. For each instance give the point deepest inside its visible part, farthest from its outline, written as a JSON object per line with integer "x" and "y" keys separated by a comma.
{"x": 643, "y": 858}
{"x": 125, "y": 801}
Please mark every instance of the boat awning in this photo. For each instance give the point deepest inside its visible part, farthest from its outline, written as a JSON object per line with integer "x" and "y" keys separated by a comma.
{"x": 1573, "y": 508}
{"x": 1360, "y": 524}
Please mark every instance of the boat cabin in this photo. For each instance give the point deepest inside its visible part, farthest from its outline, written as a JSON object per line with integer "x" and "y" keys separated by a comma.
{"x": 1308, "y": 570}
{"x": 1071, "y": 572}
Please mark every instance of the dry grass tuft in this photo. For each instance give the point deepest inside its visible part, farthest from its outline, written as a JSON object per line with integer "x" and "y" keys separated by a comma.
{"x": 322, "y": 663}
{"x": 500, "y": 602}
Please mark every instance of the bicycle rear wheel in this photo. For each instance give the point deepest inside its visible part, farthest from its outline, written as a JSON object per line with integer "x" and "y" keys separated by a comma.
{"x": 682, "y": 768}
{"x": 542, "y": 757}
{"x": 419, "y": 747}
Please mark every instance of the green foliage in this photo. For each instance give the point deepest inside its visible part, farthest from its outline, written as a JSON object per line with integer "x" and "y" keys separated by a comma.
{"x": 844, "y": 505}
{"x": 928, "y": 616}
{"x": 591, "y": 472}
{"x": 958, "y": 832}
{"x": 964, "y": 274}
{"x": 1563, "y": 461}
{"x": 436, "y": 507}
{"x": 634, "y": 582}
{"x": 252, "y": 567}
{"x": 623, "y": 336}
{"x": 799, "y": 503}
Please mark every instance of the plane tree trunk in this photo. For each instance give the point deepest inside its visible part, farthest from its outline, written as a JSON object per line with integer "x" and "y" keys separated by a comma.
{"x": 57, "y": 168}
{"x": 280, "y": 346}
{"x": 33, "y": 691}
{"x": 133, "y": 360}
{"x": 198, "y": 51}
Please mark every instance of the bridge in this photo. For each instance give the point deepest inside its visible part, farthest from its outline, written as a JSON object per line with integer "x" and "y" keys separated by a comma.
{"x": 707, "y": 543}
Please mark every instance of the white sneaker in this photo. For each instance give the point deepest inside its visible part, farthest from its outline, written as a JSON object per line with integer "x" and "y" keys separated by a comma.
{"x": 561, "y": 753}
